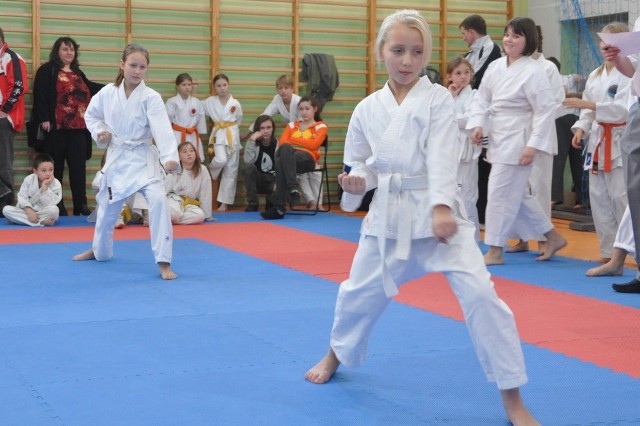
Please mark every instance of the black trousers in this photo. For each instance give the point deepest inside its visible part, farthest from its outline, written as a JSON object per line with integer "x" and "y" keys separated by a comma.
{"x": 289, "y": 163}
{"x": 566, "y": 150}
{"x": 70, "y": 145}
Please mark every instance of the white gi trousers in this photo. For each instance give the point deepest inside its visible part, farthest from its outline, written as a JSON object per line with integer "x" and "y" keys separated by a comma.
{"x": 468, "y": 181}
{"x": 159, "y": 224}
{"x": 624, "y": 236}
{"x": 187, "y": 215}
{"x": 510, "y": 206}
{"x": 17, "y": 215}
{"x": 362, "y": 300}
{"x": 608, "y": 198}
{"x": 225, "y": 163}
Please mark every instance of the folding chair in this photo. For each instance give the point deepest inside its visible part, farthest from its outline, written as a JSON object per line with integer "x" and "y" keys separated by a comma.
{"x": 321, "y": 168}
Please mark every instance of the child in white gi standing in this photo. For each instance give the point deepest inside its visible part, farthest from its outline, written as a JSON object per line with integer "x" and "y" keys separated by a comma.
{"x": 459, "y": 76}
{"x": 224, "y": 144}
{"x": 38, "y": 197}
{"x": 127, "y": 117}
{"x": 189, "y": 192}
{"x": 187, "y": 114}
{"x": 515, "y": 108}
{"x": 396, "y": 142}
{"x": 603, "y": 115}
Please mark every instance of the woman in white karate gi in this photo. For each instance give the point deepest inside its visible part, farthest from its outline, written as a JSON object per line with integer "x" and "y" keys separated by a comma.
{"x": 400, "y": 140}
{"x": 515, "y": 108}
{"x": 127, "y": 117}
{"x": 189, "y": 192}
{"x": 603, "y": 115}
{"x": 187, "y": 114}
{"x": 224, "y": 144}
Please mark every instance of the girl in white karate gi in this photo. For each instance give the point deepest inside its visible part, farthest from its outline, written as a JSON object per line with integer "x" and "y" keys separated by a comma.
{"x": 187, "y": 114}
{"x": 397, "y": 142}
{"x": 126, "y": 117}
{"x": 515, "y": 108}
{"x": 224, "y": 143}
{"x": 189, "y": 192}
{"x": 459, "y": 76}
{"x": 603, "y": 113}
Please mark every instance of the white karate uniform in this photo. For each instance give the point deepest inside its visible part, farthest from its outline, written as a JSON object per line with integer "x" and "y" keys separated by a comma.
{"x": 277, "y": 106}
{"x": 226, "y": 144}
{"x": 542, "y": 168}
{"x": 469, "y": 154}
{"x": 624, "y": 236}
{"x": 45, "y": 204}
{"x": 402, "y": 150}
{"x": 607, "y": 191}
{"x": 185, "y": 185}
{"x": 516, "y": 108}
{"x": 188, "y": 113}
{"x": 133, "y": 162}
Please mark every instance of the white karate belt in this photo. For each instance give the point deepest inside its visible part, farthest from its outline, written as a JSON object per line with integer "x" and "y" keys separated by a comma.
{"x": 394, "y": 183}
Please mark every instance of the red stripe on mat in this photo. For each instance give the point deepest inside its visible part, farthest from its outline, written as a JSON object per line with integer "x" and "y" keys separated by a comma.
{"x": 590, "y": 330}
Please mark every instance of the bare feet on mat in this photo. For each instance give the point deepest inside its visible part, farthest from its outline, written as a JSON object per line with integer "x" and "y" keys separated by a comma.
{"x": 166, "y": 271}
{"x": 606, "y": 270}
{"x": 517, "y": 413}
{"x": 49, "y": 221}
{"x": 87, "y": 255}
{"x": 324, "y": 370}
{"x": 222, "y": 208}
{"x": 518, "y": 247}
{"x": 555, "y": 242}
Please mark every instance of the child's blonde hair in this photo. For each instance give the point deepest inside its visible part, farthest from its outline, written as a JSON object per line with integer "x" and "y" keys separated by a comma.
{"x": 612, "y": 28}
{"x": 410, "y": 18}
{"x": 284, "y": 80}
{"x": 131, "y": 48}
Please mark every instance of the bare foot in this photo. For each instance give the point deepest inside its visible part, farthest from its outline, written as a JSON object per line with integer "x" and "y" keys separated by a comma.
{"x": 223, "y": 207}
{"x": 323, "y": 370}
{"x": 494, "y": 256}
{"x": 49, "y": 221}
{"x": 87, "y": 255}
{"x": 166, "y": 272}
{"x": 311, "y": 205}
{"x": 606, "y": 270}
{"x": 517, "y": 413}
{"x": 555, "y": 242}
{"x": 541, "y": 246}
{"x": 518, "y": 247}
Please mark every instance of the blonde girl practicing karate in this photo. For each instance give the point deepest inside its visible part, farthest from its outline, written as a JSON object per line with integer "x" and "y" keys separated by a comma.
{"x": 126, "y": 117}
{"x": 187, "y": 114}
{"x": 603, "y": 115}
{"x": 400, "y": 141}
{"x": 515, "y": 107}
{"x": 224, "y": 144}
{"x": 189, "y": 192}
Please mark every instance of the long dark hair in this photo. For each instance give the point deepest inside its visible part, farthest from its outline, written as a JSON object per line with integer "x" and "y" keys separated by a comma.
{"x": 54, "y": 55}
{"x": 314, "y": 103}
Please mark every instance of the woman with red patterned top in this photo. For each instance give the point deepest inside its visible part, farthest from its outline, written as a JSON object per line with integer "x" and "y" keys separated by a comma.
{"x": 298, "y": 152}
{"x": 61, "y": 94}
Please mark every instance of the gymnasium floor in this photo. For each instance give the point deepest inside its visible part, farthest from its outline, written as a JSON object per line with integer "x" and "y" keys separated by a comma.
{"x": 228, "y": 343}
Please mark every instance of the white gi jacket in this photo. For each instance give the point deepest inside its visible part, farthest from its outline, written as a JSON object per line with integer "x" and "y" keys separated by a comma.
{"x": 31, "y": 196}
{"x": 220, "y": 114}
{"x": 516, "y": 108}
{"x": 134, "y": 122}
{"x": 610, "y": 92}
{"x": 462, "y": 103}
{"x": 410, "y": 153}
{"x": 188, "y": 113}
{"x": 277, "y": 107}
